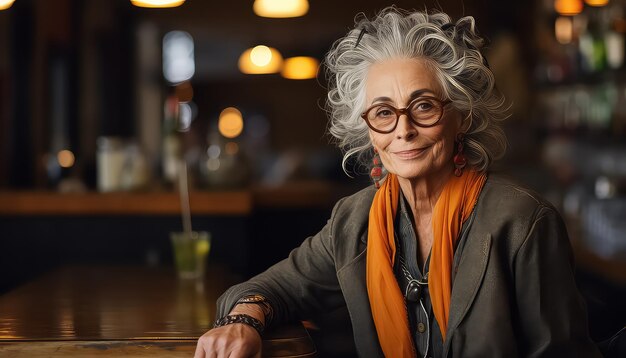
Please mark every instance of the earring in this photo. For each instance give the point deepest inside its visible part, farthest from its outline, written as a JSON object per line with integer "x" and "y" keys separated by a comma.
{"x": 459, "y": 158}
{"x": 377, "y": 169}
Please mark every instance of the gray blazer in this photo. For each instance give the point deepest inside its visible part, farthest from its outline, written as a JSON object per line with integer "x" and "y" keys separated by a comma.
{"x": 513, "y": 288}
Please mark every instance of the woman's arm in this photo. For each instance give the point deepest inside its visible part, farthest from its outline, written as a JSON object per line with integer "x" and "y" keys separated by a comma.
{"x": 301, "y": 285}
{"x": 304, "y": 283}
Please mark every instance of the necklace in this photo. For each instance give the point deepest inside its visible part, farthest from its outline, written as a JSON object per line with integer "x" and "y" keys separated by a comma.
{"x": 414, "y": 288}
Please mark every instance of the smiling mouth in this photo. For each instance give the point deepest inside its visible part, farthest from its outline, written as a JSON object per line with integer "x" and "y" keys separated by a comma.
{"x": 410, "y": 154}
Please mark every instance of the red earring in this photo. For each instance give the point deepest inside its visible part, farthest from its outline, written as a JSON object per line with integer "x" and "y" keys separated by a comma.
{"x": 377, "y": 170}
{"x": 459, "y": 158}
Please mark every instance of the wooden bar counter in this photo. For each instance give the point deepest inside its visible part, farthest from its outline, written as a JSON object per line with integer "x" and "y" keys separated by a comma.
{"x": 123, "y": 311}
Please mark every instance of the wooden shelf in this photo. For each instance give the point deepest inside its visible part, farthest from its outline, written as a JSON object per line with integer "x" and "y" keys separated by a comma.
{"x": 148, "y": 203}
{"x": 306, "y": 194}
{"x": 301, "y": 194}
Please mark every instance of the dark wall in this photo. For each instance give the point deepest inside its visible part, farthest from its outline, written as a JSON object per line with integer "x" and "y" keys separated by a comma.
{"x": 34, "y": 245}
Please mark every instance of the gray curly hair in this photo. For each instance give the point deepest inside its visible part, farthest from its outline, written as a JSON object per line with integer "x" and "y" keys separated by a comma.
{"x": 452, "y": 50}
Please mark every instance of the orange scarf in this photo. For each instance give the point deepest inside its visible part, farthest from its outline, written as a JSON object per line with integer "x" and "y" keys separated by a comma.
{"x": 453, "y": 207}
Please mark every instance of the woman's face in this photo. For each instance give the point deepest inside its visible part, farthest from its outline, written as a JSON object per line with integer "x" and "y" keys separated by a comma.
{"x": 410, "y": 151}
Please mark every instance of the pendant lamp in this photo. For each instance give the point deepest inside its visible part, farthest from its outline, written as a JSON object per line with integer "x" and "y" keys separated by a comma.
{"x": 5, "y": 4}
{"x": 157, "y": 3}
{"x": 260, "y": 60}
{"x": 568, "y": 7}
{"x": 280, "y": 8}
{"x": 597, "y": 3}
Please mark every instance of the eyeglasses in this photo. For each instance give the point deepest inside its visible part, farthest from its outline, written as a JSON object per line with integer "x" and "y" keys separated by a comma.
{"x": 423, "y": 111}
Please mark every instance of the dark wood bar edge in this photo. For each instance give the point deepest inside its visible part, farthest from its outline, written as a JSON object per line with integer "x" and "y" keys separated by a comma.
{"x": 285, "y": 341}
{"x": 132, "y": 311}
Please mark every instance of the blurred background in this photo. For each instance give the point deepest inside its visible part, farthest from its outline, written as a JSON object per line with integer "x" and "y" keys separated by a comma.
{"x": 100, "y": 99}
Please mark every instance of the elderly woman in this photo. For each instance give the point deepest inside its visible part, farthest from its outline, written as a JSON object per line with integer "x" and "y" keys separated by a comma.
{"x": 439, "y": 257}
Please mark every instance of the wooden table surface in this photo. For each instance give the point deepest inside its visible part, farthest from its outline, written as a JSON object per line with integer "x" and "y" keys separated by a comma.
{"x": 130, "y": 311}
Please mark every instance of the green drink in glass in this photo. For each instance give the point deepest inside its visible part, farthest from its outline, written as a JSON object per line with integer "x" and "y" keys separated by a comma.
{"x": 190, "y": 252}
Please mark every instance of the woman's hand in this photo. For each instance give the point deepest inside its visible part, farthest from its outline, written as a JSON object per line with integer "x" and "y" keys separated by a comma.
{"x": 234, "y": 340}
{"x": 237, "y": 340}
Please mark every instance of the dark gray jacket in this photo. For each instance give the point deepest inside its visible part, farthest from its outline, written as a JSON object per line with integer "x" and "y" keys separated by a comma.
{"x": 513, "y": 282}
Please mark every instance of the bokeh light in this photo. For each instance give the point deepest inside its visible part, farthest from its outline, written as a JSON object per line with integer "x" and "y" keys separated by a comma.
{"x": 260, "y": 60}
{"x": 563, "y": 29}
{"x": 280, "y": 8}
{"x": 65, "y": 158}
{"x": 231, "y": 148}
{"x": 214, "y": 151}
{"x": 230, "y": 123}
{"x": 261, "y": 55}
{"x": 568, "y": 7}
{"x": 300, "y": 68}
{"x": 185, "y": 117}
{"x": 5, "y": 4}
{"x": 178, "y": 56}
{"x": 184, "y": 92}
{"x": 157, "y": 3}
{"x": 597, "y": 2}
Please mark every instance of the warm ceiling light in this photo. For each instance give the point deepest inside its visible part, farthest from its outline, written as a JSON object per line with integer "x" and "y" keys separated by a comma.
{"x": 261, "y": 55}
{"x": 300, "y": 68}
{"x": 280, "y": 8}
{"x": 230, "y": 123}
{"x": 568, "y": 7}
{"x": 5, "y": 4}
{"x": 597, "y": 2}
{"x": 157, "y": 3}
{"x": 260, "y": 60}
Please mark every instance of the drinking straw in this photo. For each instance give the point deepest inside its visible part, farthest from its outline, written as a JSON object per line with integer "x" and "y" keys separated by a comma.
{"x": 183, "y": 189}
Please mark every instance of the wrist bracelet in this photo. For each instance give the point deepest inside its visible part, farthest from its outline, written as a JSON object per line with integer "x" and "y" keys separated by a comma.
{"x": 260, "y": 301}
{"x": 240, "y": 318}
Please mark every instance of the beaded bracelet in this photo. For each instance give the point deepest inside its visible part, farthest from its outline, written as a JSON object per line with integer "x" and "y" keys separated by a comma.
{"x": 260, "y": 301}
{"x": 240, "y": 318}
